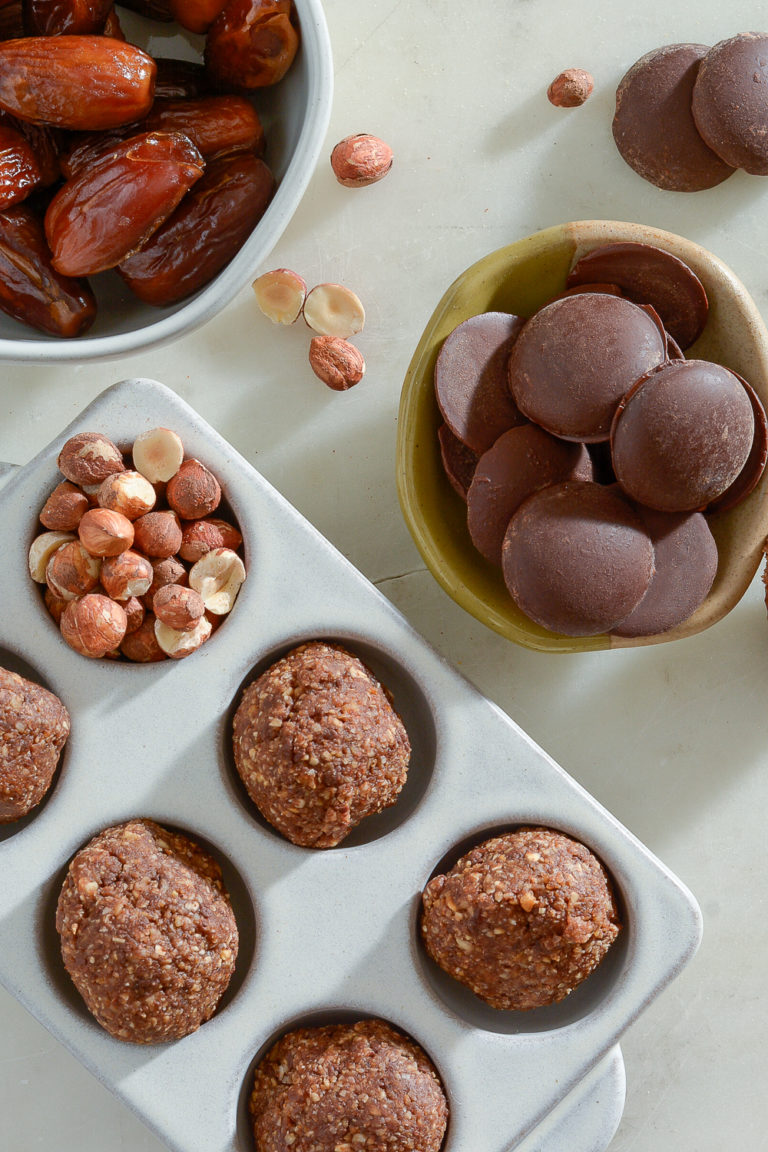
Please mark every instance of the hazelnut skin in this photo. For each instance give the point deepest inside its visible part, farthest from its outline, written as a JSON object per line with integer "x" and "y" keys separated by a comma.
{"x": 571, "y": 88}
{"x": 64, "y": 508}
{"x": 93, "y": 625}
{"x": 193, "y": 492}
{"x": 89, "y": 457}
{"x": 360, "y": 160}
{"x": 158, "y": 534}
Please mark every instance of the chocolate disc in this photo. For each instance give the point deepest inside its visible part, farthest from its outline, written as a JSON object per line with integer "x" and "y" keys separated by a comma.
{"x": 685, "y": 556}
{"x": 576, "y": 358}
{"x": 649, "y": 275}
{"x": 730, "y": 101}
{"x": 682, "y": 435}
{"x": 471, "y": 379}
{"x": 653, "y": 126}
{"x": 521, "y": 461}
{"x": 459, "y": 462}
{"x": 576, "y": 558}
{"x": 748, "y": 478}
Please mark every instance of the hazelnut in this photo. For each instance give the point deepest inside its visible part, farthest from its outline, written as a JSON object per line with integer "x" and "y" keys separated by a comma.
{"x": 128, "y": 493}
{"x": 178, "y": 607}
{"x": 135, "y": 613}
{"x": 41, "y": 550}
{"x": 141, "y": 646}
{"x": 217, "y": 576}
{"x": 93, "y": 625}
{"x": 571, "y": 88}
{"x": 105, "y": 533}
{"x": 126, "y": 575}
{"x": 201, "y": 536}
{"x": 55, "y": 605}
{"x": 360, "y": 160}
{"x": 158, "y": 534}
{"x": 177, "y": 645}
{"x": 280, "y": 295}
{"x": 158, "y": 454}
{"x": 72, "y": 571}
{"x": 168, "y": 571}
{"x": 89, "y": 457}
{"x": 193, "y": 492}
{"x": 64, "y": 507}
{"x": 336, "y": 362}
{"x": 333, "y": 310}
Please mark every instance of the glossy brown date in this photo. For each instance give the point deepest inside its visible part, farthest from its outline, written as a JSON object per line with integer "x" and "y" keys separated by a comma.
{"x": 19, "y": 170}
{"x": 251, "y": 44}
{"x": 196, "y": 15}
{"x": 31, "y": 290}
{"x": 113, "y": 206}
{"x": 87, "y": 83}
{"x": 11, "y": 21}
{"x": 65, "y": 17}
{"x": 179, "y": 79}
{"x": 204, "y": 233}
{"x": 46, "y": 143}
{"x": 217, "y": 125}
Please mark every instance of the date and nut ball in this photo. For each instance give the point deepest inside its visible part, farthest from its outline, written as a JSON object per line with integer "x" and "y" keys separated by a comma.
{"x": 341, "y": 1088}
{"x": 318, "y": 744}
{"x": 522, "y": 919}
{"x": 34, "y": 726}
{"x": 147, "y": 932}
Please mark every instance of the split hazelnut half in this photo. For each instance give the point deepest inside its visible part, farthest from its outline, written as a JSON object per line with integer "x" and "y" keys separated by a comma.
{"x": 334, "y": 310}
{"x": 280, "y": 294}
{"x": 217, "y": 576}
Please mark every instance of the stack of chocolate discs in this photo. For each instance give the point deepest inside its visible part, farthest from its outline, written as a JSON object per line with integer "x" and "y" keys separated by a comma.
{"x": 589, "y": 450}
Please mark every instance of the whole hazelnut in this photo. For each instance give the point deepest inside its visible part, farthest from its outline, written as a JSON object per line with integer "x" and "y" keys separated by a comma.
{"x": 127, "y": 575}
{"x": 141, "y": 646}
{"x": 201, "y": 536}
{"x": 177, "y": 644}
{"x": 193, "y": 492}
{"x": 64, "y": 508}
{"x": 128, "y": 493}
{"x": 93, "y": 625}
{"x": 178, "y": 607}
{"x": 358, "y": 161}
{"x": 336, "y": 362}
{"x": 571, "y": 88}
{"x": 158, "y": 534}
{"x": 72, "y": 571}
{"x": 135, "y": 613}
{"x": 89, "y": 457}
{"x": 105, "y": 533}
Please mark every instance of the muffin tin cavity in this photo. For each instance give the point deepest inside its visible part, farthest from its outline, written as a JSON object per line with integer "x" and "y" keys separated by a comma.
{"x": 577, "y": 1005}
{"x": 409, "y": 700}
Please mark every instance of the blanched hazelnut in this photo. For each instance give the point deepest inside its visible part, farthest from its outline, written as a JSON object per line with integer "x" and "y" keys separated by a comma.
{"x": 72, "y": 571}
{"x": 135, "y": 613}
{"x": 128, "y": 493}
{"x": 157, "y": 454}
{"x": 178, "y": 607}
{"x": 105, "y": 533}
{"x": 360, "y": 160}
{"x": 176, "y": 644}
{"x": 41, "y": 550}
{"x": 333, "y": 310}
{"x": 336, "y": 362}
{"x": 158, "y": 534}
{"x": 217, "y": 576}
{"x": 194, "y": 491}
{"x": 93, "y": 625}
{"x": 280, "y": 294}
{"x": 141, "y": 645}
{"x": 64, "y": 508}
{"x": 89, "y": 457}
{"x": 201, "y": 536}
{"x": 126, "y": 575}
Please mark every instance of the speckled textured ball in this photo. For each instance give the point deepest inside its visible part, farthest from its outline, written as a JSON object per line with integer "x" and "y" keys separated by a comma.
{"x": 344, "y": 1087}
{"x": 522, "y": 919}
{"x": 34, "y": 726}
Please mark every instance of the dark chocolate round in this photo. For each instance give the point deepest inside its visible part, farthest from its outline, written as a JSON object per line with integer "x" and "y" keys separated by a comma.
{"x": 685, "y": 557}
{"x": 576, "y": 358}
{"x": 459, "y": 462}
{"x": 748, "y": 478}
{"x": 521, "y": 461}
{"x": 649, "y": 275}
{"x": 682, "y": 435}
{"x": 576, "y": 558}
{"x": 653, "y": 126}
{"x": 471, "y": 379}
{"x": 730, "y": 101}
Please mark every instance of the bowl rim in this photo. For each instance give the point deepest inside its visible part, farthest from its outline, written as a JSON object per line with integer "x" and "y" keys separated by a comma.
{"x": 212, "y": 299}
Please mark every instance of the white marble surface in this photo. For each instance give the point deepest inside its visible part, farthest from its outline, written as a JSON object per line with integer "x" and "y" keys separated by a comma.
{"x": 671, "y": 738}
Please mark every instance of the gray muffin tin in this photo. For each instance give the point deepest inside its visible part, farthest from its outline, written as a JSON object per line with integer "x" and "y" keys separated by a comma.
{"x": 325, "y": 935}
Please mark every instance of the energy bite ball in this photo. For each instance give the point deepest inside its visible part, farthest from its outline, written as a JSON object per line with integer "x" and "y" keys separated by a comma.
{"x": 522, "y": 919}
{"x": 147, "y": 932}
{"x": 34, "y": 726}
{"x": 346, "y": 1087}
{"x": 318, "y": 745}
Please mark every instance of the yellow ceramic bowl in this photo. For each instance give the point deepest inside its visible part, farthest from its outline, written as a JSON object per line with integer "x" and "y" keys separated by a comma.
{"x": 520, "y": 278}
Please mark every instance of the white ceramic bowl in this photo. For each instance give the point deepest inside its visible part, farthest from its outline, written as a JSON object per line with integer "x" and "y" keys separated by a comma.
{"x": 295, "y": 115}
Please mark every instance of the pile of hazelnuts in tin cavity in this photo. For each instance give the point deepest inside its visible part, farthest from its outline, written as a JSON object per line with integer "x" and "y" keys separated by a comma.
{"x": 135, "y": 563}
